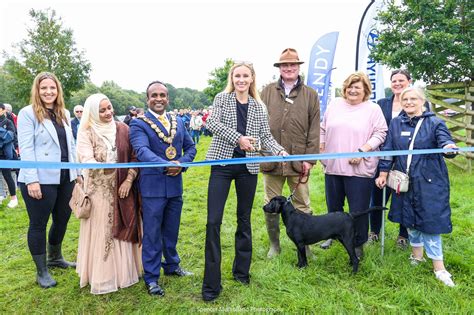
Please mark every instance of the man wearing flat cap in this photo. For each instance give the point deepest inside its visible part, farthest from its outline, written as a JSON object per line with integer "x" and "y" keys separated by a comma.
{"x": 293, "y": 110}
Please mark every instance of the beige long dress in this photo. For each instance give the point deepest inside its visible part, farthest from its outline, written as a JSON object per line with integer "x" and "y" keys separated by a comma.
{"x": 104, "y": 262}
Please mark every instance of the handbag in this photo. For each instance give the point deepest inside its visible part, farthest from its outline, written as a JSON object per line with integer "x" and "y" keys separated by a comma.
{"x": 80, "y": 202}
{"x": 398, "y": 180}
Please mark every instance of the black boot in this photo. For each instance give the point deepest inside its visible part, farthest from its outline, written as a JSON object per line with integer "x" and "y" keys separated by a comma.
{"x": 43, "y": 278}
{"x": 55, "y": 257}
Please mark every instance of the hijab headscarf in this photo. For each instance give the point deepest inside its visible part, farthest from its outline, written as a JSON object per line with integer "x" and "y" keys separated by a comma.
{"x": 91, "y": 118}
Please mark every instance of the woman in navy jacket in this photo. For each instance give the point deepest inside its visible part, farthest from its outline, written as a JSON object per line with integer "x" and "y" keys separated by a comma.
{"x": 391, "y": 107}
{"x": 424, "y": 209}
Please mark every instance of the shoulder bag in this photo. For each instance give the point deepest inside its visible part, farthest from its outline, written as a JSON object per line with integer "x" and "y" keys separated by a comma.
{"x": 398, "y": 180}
{"x": 80, "y": 202}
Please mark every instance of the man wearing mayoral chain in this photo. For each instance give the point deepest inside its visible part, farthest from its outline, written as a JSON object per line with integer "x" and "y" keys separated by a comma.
{"x": 161, "y": 137}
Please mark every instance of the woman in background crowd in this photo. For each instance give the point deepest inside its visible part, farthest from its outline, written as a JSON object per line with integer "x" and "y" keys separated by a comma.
{"x": 7, "y": 152}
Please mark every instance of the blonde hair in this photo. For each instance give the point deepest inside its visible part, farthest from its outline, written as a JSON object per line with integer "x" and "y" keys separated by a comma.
{"x": 253, "y": 86}
{"x": 39, "y": 108}
{"x": 358, "y": 77}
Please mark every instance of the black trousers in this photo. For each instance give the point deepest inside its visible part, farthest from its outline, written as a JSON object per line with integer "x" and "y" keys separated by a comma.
{"x": 55, "y": 201}
{"x": 7, "y": 174}
{"x": 218, "y": 190}
{"x": 358, "y": 191}
{"x": 376, "y": 216}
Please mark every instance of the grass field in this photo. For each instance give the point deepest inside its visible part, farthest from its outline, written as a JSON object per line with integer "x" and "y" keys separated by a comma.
{"x": 387, "y": 284}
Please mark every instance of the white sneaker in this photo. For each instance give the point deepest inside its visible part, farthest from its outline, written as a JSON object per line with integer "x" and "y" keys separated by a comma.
{"x": 445, "y": 277}
{"x": 13, "y": 203}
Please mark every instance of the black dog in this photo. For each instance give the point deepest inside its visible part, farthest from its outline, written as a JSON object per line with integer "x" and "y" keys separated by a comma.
{"x": 306, "y": 229}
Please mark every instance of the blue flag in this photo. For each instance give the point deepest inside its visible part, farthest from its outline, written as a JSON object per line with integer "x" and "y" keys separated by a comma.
{"x": 320, "y": 67}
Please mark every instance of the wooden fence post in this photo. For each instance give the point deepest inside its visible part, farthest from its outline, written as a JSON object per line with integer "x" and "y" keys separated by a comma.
{"x": 453, "y": 102}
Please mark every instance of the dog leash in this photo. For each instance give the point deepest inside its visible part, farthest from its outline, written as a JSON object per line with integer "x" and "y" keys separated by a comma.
{"x": 300, "y": 181}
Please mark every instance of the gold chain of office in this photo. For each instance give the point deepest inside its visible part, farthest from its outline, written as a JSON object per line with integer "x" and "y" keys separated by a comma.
{"x": 170, "y": 151}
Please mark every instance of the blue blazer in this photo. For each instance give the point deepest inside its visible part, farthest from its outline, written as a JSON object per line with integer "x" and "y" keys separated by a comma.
{"x": 39, "y": 142}
{"x": 150, "y": 148}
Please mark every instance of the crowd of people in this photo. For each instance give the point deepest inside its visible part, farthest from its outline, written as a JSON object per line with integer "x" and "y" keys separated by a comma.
{"x": 133, "y": 227}
{"x": 194, "y": 120}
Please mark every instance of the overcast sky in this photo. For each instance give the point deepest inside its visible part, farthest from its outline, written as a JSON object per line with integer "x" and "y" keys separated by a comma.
{"x": 180, "y": 42}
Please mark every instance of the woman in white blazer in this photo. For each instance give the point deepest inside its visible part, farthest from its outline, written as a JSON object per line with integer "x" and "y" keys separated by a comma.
{"x": 44, "y": 134}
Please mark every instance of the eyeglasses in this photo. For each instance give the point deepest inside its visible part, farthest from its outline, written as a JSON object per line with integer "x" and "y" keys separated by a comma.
{"x": 78, "y": 111}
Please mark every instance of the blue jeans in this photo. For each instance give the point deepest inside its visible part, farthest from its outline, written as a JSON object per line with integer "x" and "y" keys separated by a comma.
{"x": 431, "y": 242}
{"x": 195, "y": 135}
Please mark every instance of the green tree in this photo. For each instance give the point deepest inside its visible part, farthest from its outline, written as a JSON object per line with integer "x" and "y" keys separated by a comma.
{"x": 80, "y": 96}
{"x": 431, "y": 38}
{"x": 49, "y": 46}
{"x": 218, "y": 79}
{"x": 186, "y": 98}
{"x": 119, "y": 97}
{"x": 6, "y": 95}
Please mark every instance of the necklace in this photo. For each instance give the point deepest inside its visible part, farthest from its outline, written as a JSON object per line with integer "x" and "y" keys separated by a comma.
{"x": 170, "y": 151}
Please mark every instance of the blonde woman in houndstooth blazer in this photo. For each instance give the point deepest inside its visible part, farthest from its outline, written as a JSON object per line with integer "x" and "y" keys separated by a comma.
{"x": 239, "y": 123}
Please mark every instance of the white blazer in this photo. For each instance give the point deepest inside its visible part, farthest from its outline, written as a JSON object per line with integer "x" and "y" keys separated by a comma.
{"x": 39, "y": 142}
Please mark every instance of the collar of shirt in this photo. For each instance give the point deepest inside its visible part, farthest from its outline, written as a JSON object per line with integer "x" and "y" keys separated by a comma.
{"x": 289, "y": 88}
{"x": 159, "y": 117}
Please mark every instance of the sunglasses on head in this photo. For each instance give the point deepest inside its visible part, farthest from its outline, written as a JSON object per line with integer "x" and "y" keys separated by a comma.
{"x": 243, "y": 62}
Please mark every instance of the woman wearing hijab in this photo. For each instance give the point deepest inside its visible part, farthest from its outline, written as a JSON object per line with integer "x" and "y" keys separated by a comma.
{"x": 108, "y": 255}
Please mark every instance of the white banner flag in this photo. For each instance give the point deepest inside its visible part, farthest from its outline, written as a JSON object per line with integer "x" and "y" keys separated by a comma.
{"x": 367, "y": 39}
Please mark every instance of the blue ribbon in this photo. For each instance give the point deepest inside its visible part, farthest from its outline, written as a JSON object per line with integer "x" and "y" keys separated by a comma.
{"x": 301, "y": 157}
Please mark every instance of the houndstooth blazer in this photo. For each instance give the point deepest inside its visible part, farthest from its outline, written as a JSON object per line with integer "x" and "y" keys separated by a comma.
{"x": 223, "y": 124}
